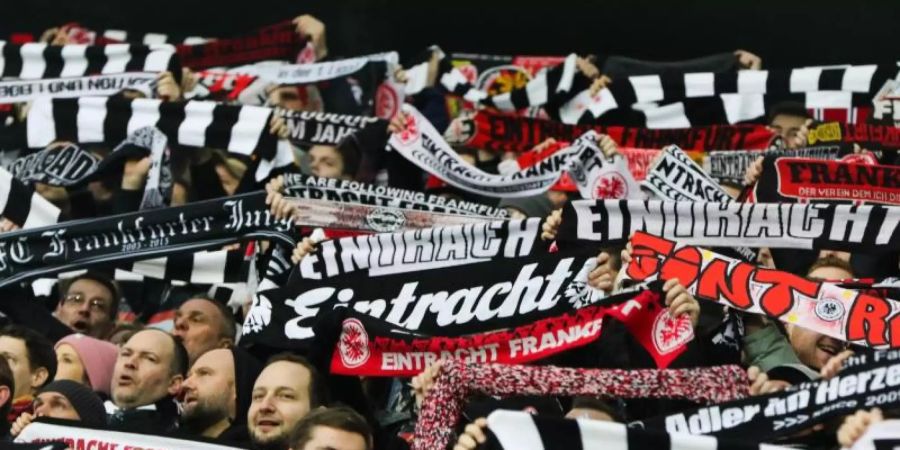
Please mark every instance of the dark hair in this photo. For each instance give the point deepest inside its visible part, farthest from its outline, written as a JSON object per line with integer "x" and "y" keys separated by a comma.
{"x": 597, "y": 405}
{"x": 831, "y": 261}
{"x": 318, "y": 390}
{"x": 349, "y": 151}
{"x": 6, "y": 379}
{"x": 40, "y": 349}
{"x": 104, "y": 280}
{"x": 339, "y": 417}
{"x": 227, "y": 324}
{"x": 789, "y": 108}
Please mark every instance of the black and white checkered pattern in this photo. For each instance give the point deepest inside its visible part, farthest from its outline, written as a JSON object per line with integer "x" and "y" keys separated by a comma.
{"x": 517, "y": 430}
{"x": 242, "y": 130}
{"x": 150, "y": 38}
{"x": 22, "y": 206}
{"x": 558, "y": 80}
{"x": 41, "y": 60}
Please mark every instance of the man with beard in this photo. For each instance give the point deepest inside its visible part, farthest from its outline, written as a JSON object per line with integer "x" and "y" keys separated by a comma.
{"x": 216, "y": 395}
{"x": 148, "y": 374}
{"x": 288, "y": 388}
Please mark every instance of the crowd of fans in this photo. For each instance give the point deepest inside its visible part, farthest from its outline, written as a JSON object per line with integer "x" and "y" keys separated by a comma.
{"x": 86, "y": 357}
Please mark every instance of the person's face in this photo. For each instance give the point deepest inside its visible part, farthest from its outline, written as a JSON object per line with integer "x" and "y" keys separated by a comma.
{"x": 16, "y": 354}
{"x": 55, "y": 405}
{"x": 327, "y": 438}
{"x": 86, "y": 308}
{"x": 198, "y": 325}
{"x": 69, "y": 365}
{"x": 209, "y": 390}
{"x": 280, "y": 399}
{"x": 287, "y": 97}
{"x": 588, "y": 413}
{"x": 142, "y": 374}
{"x": 764, "y": 258}
{"x": 812, "y": 348}
{"x": 787, "y": 127}
{"x": 326, "y": 161}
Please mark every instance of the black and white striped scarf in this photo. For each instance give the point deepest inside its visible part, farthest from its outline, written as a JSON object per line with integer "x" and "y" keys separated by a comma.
{"x": 39, "y": 60}
{"x": 519, "y": 430}
{"x": 93, "y": 85}
{"x": 562, "y": 81}
{"x": 241, "y": 130}
{"x": 22, "y": 206}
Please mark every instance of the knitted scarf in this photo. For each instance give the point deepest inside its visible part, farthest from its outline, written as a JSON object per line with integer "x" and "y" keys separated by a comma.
{"x": 459, "y": 381}
{"x": 863, "y": 228}
{"x": 346, "y": 191}
{"x": 22, "y": 206}
{"x": 242, "y": 130}
{"x": 278, "y": 41}
{"x": 519, "y": 430}
{"x": 498, "y": 132}
{"x": 787, "y": 179}
{"x": 731, "y": 165}
{"x": 595, "y": 175}
{"x": 516, "y": 290}
{"x": 44, "y": 431}
{"x": 364, "y": 346}
{"x": 93, "y": 85}
{"x": 865, "y": 379}
{"x": 675, "y": 177}
{"x": 39, "y": 60}
{"x": 312, "y": 128}
{"x": 79, "y": 244}
{"x": 846, "y": 315}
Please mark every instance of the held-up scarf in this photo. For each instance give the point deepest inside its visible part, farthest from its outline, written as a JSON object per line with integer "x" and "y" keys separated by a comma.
{"x": 364, "y": 346}
{"x": 365, "y": 218}
{"x": 84, "y": 437}
{"x": 202, "y": 225}
{"x": 38, "y": 60}
{"x": 432, "y": 297}
{"x": 499, "y": 132}
{"x": 458, "y": 381}
{"x": 880, "y": 436}
{"x": 312, "y": 128}
{"x": 348, "y": 191}
{"x": 865, "y": 381}
{"x": 278, "y": 41}
{"x": 786, "y": 179}
{"x": 65, "y": 164}
{"x": 242, "y": 130}
{"x": 863, "y": 228}
{"x": 57, "y": 165}
{"x": 552, "y": 85}
{"x": 676, "y": 177}
{"x": 822, "y": 307}
{"x": 731, "y": 165}
{"x": 593, "y": 173}
{"x": 22, "y": 206}
{"x": 519, "y": 430}
{"x": 864, "y": 79}
{"x": 93, "y": 85}
{"x": 870, "y": 136}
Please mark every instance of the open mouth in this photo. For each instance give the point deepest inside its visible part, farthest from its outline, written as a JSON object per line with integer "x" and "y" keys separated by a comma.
{"x": 125, "y": 380}
{"x": 267, "y": 425}
{"x": 80, "y": 325}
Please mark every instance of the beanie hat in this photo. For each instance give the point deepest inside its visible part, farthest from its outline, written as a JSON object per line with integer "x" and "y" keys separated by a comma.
{"x": 535, "y": 206}
{"x": 86, "y": 403}
{"x": 98, "y": 358}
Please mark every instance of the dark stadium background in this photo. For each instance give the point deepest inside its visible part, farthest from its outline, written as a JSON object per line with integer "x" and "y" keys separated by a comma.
{"x": 784, "y": 33}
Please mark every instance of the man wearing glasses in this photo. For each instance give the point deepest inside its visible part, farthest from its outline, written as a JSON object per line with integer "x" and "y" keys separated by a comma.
{"x": 89, "y": 305}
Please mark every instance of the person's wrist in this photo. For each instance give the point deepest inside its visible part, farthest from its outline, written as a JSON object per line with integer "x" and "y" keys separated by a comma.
{"x": 132, "y": 182}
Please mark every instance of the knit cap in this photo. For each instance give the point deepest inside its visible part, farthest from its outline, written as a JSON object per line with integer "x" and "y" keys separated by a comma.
{"x": 85, "y": 402}
{"x": 98, "y": 358}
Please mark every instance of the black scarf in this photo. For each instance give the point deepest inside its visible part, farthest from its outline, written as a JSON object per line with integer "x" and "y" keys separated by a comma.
{"x": 22, "y": 206}
{"x": 203, "y": 225}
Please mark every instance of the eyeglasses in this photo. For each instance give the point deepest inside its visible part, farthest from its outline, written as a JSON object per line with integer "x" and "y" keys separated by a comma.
{"x": 77, "y": 300}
